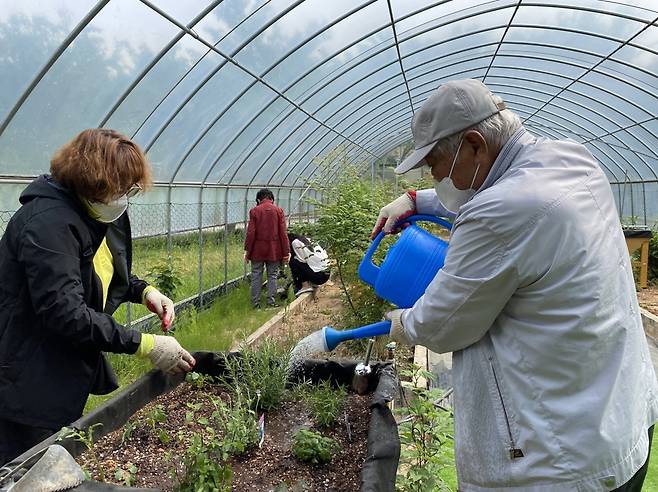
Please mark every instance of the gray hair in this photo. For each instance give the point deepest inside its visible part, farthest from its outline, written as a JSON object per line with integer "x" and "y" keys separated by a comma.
{"x": 496, "y": 131}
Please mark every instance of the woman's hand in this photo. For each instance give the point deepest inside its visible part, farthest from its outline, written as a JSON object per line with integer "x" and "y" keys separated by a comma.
{"x": 160, "y": 304}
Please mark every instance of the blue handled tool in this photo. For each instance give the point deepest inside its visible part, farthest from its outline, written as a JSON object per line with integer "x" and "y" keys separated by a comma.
{"x": 333, "y": 337}
{"x": 326, "y": 339}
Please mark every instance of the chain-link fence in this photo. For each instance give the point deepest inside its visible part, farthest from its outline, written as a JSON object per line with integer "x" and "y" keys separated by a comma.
{"x": 637, "y": 203}
{"x": 198, "y": 246}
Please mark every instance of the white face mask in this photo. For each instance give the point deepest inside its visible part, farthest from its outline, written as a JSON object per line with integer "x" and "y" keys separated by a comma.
{"x": 108, "y": 212}
{"x": 448, "y": 194}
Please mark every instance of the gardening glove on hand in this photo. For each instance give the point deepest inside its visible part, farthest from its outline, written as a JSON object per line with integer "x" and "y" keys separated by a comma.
{"x": 165, "y": 353}
{"x": 160, "y": 304}
{"x": 400, "y": 208}
{"x": 397, "y": 332}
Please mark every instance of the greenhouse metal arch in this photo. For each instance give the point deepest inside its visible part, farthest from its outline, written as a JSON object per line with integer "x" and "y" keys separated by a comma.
{"x": 227, "y": 97}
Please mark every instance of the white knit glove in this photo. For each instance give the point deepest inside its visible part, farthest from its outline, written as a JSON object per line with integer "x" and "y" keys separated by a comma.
{"x": 397, "y": 332}
{"x": 168, "y": 355}
{"x": 160, "y": 304}
{"x": 400, "y": 208}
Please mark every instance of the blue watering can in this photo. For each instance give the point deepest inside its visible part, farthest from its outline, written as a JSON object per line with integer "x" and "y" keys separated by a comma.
{"x": 410, "y": 264}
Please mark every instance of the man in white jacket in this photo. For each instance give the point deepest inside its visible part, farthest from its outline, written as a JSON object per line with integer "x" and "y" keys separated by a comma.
{"x": 554, "y": 386}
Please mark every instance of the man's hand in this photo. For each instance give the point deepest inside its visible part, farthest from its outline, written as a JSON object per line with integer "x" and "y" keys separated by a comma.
{"x": 397, "y": 332}
{"x": 168, "y": 355}
{"x": 246, "y": 256}
{"x": 286, "y": 258}
{"x": 400, "y": 208}
{"x": 160, "y": 304}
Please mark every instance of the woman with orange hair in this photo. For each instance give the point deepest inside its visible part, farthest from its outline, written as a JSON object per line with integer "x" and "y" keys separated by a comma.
{"x": 65, "y": 265}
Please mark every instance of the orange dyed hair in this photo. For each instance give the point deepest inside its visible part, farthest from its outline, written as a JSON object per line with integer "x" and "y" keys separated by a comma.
{"x": 100, "y": 165}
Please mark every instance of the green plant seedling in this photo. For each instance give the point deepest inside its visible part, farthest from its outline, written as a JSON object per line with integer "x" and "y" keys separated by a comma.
{"x": 426, "y": 442}
{"x": 128, "y": 430}
{"x": 237, "y": 423}
{"x": 164, "y": 436}
{"x": 205, "y": 470}
{"x": 313, "y": 447}
{"x": 262, "y": 371}
{"x": 86, "y": 437}
{"x": 155, "y": 416}
{"x": 165, "y": 277}
{"x": 325, "y": 402}
{"x": 198, "y": 380}
{"x": 190, "y": 414}
{"x": 126, "y": 476}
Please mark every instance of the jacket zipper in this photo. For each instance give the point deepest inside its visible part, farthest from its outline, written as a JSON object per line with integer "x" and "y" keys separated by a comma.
{"x": 514, "y": 452}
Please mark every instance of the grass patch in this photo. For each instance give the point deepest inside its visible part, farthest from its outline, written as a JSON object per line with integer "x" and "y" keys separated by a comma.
{"x": 229, "y": 319}
{"x": 651, "y": 481}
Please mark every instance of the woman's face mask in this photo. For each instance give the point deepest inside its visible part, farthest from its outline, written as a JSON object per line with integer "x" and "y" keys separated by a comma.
{"x": 111, "y": 211}
{"x": 449, "y": 195}
{"x": 107, "y": 212}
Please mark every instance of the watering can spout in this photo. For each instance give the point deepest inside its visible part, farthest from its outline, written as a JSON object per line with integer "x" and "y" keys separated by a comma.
{"x": 334, "y": 337}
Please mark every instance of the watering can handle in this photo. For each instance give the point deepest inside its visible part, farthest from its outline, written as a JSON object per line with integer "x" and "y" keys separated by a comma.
{"x": 427, "y": 218}
{"x": 368, "y": 271}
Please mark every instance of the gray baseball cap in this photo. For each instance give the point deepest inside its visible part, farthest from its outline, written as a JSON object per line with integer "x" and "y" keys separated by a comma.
{"x": 453, "y": 107}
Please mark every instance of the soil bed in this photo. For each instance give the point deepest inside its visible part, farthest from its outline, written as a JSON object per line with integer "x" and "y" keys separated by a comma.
{"x": 648, "y": 298}
{"x": 258, "y": 470}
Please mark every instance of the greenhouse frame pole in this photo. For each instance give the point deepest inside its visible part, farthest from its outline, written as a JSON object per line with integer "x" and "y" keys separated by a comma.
{"x": 191, "y": 69}
{"x": 246, "y": 222}
{"x": 225, "y": 238}
{"x": 198, "y": 18}
{"x": 560, "y": 135}
{"x": 169, "y": 238}
{"x": 593, "y": 67}
{"x": 397, "y": 49}
{"x": 200, "y": 265}
{"x": 590, "y": 121}
{"x": 587, "y": 119}
{"x": 51, "y": 61}
{"x": 566, "y": 99}
{"x": 644, "y": 202}
{"x": 584, "y": 67}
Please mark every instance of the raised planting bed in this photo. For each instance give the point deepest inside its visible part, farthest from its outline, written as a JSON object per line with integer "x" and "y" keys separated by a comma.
{"x": 164, "y": 433}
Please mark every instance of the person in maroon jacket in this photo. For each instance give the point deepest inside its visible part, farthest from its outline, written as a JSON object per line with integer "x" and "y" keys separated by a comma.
{"x": 266, "y": 245}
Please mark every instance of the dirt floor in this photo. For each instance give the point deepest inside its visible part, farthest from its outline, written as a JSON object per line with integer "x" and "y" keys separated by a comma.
{"x": 648, "y": 298}
{"x": 325, "y": 308}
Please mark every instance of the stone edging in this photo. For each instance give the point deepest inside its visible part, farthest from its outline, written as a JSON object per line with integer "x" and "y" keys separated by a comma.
{"x": 276, "y": 320}
{"x": 650, "y": 323}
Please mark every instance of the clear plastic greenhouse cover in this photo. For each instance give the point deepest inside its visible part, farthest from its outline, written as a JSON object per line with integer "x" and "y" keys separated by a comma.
{"x": 227, "y": 96}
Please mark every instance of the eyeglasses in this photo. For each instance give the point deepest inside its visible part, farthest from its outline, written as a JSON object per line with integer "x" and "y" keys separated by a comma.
{"x": 134, "y": 190}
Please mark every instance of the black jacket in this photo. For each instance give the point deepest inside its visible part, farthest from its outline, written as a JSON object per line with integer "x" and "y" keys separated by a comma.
{"x": 52, "y": 325}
